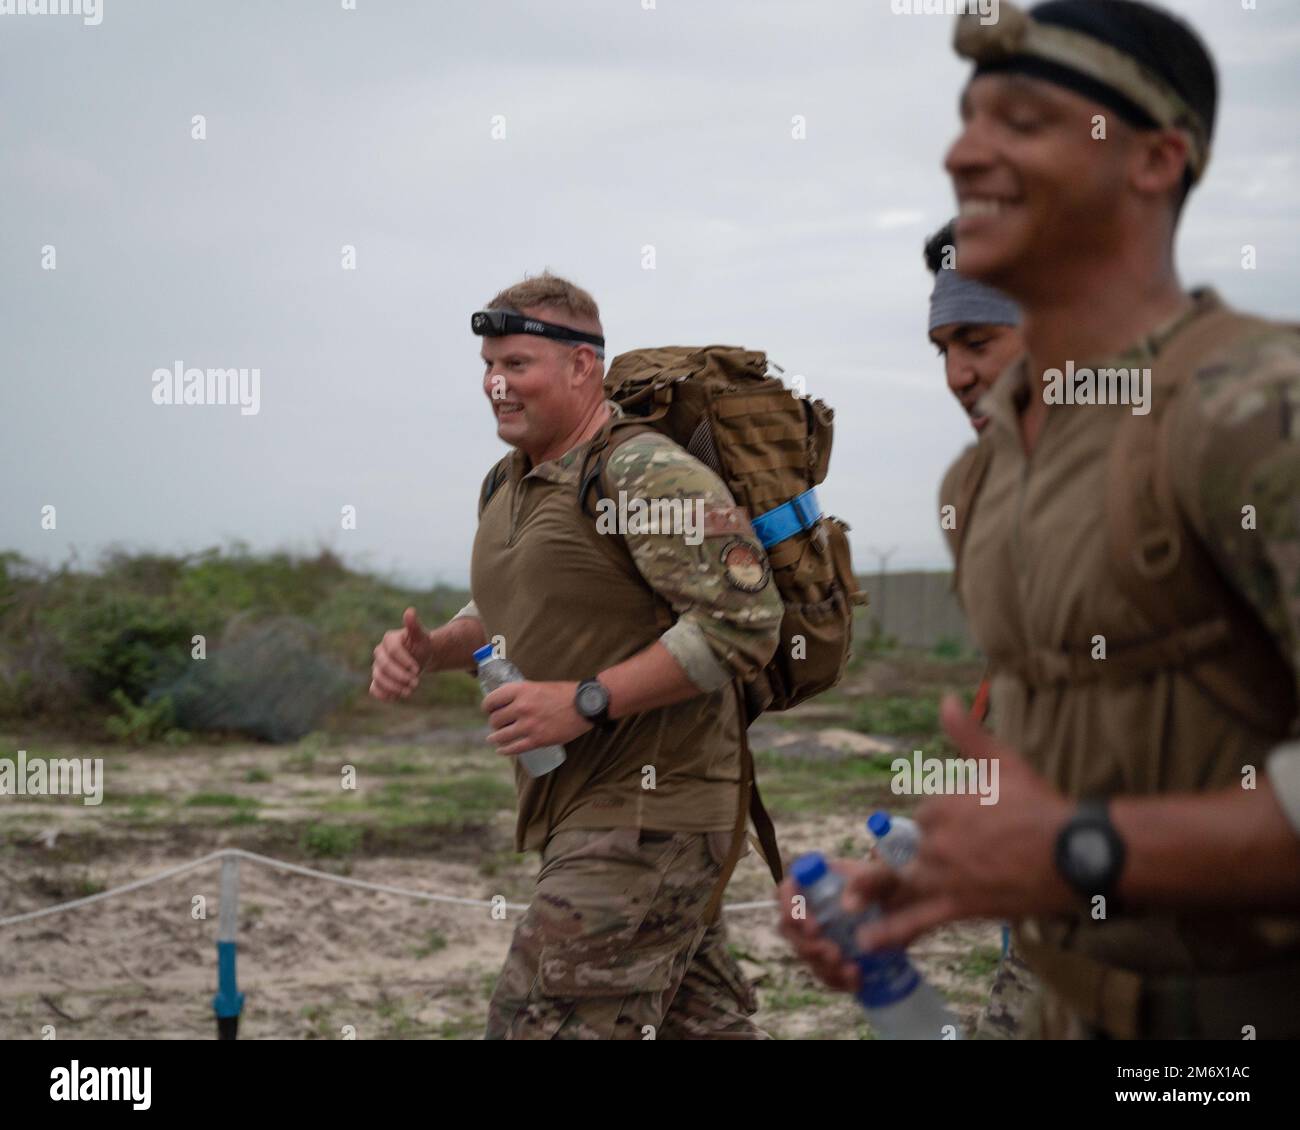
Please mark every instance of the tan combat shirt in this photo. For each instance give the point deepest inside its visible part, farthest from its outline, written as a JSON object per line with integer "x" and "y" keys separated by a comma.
{"x": 1035, "y": 575}
{"x": 571, "y": 601}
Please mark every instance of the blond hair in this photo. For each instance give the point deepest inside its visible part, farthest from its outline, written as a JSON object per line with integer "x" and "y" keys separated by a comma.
{"x": 551, "y": 293}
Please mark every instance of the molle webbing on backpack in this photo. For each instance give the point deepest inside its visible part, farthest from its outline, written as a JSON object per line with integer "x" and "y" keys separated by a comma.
{"x": 770, "y": 447}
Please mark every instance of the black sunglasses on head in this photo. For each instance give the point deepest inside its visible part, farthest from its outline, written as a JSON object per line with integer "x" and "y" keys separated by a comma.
{"x": 500, "y": 323}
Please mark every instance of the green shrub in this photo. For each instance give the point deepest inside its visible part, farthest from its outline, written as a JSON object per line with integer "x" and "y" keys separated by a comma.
{"x": 455, "y": 688}
{"x": 122, "y": 642}
{"x": 331, "y": 841}
{"x": 70, "y": 638}
{"x": 948, "y": 648}
{"x": 140, "y": 723}
{"x": 899, "y": 715}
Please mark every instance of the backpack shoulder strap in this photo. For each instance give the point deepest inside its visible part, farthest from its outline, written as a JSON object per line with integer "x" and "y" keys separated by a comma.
{"x": 1157, "y": 560}
{"x": 491, "y": 483}
{"x": 1147, "y": 532}
{"x": 596, "y": 460}
{"x": 593, "y": 484}
{"x": 960, "y": 491}
{"x": 750, "y": 807}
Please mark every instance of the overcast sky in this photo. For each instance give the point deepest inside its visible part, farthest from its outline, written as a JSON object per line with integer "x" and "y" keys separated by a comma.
{"x": 624, "y": 127}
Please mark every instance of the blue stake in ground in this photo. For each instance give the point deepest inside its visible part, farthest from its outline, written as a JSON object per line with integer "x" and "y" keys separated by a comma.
{"x": 229, "y": 1001}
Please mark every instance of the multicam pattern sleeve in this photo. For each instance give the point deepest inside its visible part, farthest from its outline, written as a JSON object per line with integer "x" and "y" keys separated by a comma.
{"x": 698, "y": 551}
{"x": 1235, "y": 460}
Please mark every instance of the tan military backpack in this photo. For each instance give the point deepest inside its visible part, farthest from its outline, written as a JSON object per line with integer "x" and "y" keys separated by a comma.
{"x": 771, "y": 448}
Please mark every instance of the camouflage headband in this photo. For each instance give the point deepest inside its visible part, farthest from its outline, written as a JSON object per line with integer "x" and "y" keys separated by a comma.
{"x": 1017, "y": 35}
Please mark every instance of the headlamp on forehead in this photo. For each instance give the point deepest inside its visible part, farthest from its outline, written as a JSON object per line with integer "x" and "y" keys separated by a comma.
{"x": 501, "y": 323}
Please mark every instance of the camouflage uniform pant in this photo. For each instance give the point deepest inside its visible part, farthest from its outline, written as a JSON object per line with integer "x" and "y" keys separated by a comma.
{"x": 614, "y": 946}
{"x": 1012, "y": 1002}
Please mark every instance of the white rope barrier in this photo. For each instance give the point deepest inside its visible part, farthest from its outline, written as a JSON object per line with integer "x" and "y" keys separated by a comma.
{"x": 296, "y": 869}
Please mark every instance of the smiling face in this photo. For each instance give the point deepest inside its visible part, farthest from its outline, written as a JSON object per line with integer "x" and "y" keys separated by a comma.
{"x": 1036, "y": 191}
{"x": 974, "y": 356}
{"x": 540, "y": 390}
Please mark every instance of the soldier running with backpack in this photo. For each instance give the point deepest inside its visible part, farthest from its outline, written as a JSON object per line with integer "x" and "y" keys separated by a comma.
{"x": 619, "y": 573}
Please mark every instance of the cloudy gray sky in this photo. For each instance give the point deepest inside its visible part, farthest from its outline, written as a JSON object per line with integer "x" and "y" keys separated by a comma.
{"x": 624, "y": 127}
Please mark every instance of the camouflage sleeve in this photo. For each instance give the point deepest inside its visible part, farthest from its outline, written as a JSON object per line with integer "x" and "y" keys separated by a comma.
{"x": 1235, "y": 462}
{"x": 695, "y": 547}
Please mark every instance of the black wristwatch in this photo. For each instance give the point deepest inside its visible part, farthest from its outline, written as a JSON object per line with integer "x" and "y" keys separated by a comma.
{"x": 1089, "y": 852}
{"x": 592, "y": 701}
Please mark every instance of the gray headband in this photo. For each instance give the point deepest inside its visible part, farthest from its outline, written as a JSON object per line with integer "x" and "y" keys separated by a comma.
{"x": 958, "y": 300}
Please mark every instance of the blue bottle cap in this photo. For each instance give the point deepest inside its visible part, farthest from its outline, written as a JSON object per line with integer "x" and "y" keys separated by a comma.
{"x": 807, "y": 869}
{"x": 483, "y": 653}
{"x": 878, "y": 824}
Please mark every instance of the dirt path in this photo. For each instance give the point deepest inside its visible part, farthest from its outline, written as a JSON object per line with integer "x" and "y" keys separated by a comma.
{"x": 431, "y": 811}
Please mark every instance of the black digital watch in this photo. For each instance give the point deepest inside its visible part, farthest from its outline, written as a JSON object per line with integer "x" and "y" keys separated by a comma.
{"x": 591, "y": 700}
{"x": 1089, "y": 851}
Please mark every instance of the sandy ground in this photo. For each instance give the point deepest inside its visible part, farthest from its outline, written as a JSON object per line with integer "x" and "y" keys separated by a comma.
{"x": 315, "y": 957}
{"x": 318, "y": 960}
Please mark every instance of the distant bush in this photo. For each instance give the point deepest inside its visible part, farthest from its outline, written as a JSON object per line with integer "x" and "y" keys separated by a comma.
{"x": 114, "y": 644}
{"x": 949, "y": 647}
{"x": 141, "y": 723}
{"x": 268, "y": 680}
{"x": 901, "y": 716}
{"x": 330, "y": 841}
{"x": 455, "y": 688}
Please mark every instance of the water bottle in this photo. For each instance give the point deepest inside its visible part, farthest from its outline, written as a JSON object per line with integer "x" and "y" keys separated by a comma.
{"x": 897, "y": 838}
{"x": 822, "y": 888}
{"x": 899, "y": 1003}
{"x": 494, "y": 672}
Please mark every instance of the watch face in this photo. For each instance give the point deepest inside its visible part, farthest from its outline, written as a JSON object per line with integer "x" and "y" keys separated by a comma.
{"x": 592, "y": 699}
{"x": 1089, "y": 853}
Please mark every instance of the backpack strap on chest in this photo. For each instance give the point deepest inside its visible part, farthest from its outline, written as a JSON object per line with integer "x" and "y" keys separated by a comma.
{"x": 970, "y": 477}
{"x": 593, "y": 484}
{"x": 1157, "y": 560}
{"x": 492, "y": 483}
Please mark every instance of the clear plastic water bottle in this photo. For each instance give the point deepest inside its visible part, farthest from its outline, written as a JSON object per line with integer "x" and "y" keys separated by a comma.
{"x": 494, "y": 672}
{"x": 897, "y": 838}
{"x": 897, "y": 841}
{"x": 900, "y": 1004}
{"x": 823, "y": 887}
